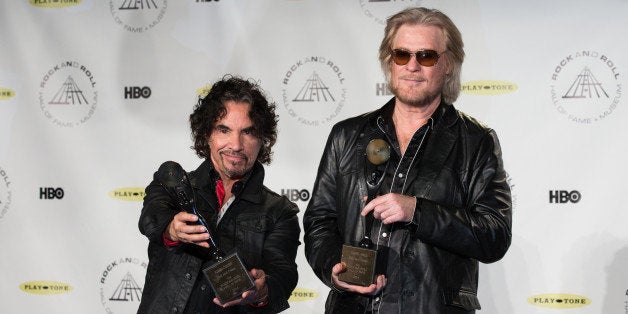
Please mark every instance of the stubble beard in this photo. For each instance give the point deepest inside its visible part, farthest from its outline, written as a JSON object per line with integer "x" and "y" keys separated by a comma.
{"x": 419, "y": 100}
{"x": 238, "y": 169}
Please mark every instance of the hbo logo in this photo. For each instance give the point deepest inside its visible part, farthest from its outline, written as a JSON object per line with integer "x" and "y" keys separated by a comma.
{"x": 51, "y": 193}
{"x": 560, "y": 196}
{"x": 296, "y": 195}
{"x": 134, "y": 92}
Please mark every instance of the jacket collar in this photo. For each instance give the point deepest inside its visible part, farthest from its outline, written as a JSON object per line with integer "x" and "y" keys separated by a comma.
{"x": 439, "y": 145}
{"x": 444, "y": 116}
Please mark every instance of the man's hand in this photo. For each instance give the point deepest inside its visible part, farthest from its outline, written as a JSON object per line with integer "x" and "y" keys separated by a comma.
{"x": 255, "y": 296}
{"x": 373, "y": 289}
{"x": 391, "y": 208}
{"x": 182, "y": 228}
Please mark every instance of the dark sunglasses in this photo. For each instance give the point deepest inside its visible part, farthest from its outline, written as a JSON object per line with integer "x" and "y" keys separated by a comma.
{"x": 425, "y": 58}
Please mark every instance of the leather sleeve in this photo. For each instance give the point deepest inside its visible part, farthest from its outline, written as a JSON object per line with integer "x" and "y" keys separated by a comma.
{"x": 481, "y": 228}
{"x": 157, "y": 212}
{"x": 279, "y": 254}
{"x": 323, "y": 241}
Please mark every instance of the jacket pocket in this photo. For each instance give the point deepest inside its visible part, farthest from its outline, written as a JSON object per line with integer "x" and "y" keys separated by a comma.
{"x": 251, "y": 235}
{"x": 465, "y": 299}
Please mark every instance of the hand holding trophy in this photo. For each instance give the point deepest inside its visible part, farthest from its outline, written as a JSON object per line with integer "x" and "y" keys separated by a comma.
{"x": 227, "y": 274}
{"x": 361, "y": 260}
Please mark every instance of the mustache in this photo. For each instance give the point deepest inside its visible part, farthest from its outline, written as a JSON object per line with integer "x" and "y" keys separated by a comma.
{"x": 232, "y": 153}
{"x": 411, "y": 77}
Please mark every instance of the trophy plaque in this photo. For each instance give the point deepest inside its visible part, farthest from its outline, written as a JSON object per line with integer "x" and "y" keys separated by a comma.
{"x": 228, "y": 278}
{"x": 361, "y": 260}
{"x": 227, "y": 274}
{"x": 360, "y": 264}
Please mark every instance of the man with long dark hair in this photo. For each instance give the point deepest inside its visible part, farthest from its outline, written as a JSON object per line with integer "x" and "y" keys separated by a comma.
{"x": 233, "y": 128}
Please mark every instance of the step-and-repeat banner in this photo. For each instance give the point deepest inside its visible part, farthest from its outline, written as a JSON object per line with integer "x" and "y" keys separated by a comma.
{"x": 94, "y": 95}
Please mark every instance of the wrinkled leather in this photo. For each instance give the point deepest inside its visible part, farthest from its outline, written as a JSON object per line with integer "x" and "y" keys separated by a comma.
{"x": 463, "y": 213}
{"x": 260, "y": 225}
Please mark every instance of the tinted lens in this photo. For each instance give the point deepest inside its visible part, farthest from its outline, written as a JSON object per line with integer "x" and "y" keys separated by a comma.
{"x": 426, "y": 58}
{"x": 401, "y": 57}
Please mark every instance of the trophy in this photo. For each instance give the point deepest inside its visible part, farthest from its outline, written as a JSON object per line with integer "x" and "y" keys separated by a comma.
{"x": 361, "y": 260}
{"x": 227, "y": 274}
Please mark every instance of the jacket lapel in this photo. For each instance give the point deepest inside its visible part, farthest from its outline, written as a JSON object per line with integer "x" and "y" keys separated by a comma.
{"x": 439, "y": 146}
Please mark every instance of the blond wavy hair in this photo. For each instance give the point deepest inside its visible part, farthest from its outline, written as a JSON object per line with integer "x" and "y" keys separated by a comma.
{"x": 454, "y": 44}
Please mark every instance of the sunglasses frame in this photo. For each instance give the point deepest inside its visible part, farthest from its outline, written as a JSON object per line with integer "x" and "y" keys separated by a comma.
{"x": 419, "y": 55}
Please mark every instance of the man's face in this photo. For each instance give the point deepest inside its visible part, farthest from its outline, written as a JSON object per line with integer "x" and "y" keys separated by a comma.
{"x": 412, "y": 83}
{"x": 233, "y": 147}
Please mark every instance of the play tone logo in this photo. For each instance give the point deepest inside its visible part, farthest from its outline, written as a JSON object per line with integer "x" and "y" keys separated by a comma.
{"x": 45, "y": 287}
{"x": 128, "y": 194}
{"x": 203, "y": 90}
{"x": 488, "y": 87}
{"x": 559, "y": 300}
{"x": 6, "y": 93}
{"x": 302, "y": 294}
{"x": 54, "y": 3}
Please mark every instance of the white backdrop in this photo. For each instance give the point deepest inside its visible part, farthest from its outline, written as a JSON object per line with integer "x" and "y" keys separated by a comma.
{"x": 94, "y": 95}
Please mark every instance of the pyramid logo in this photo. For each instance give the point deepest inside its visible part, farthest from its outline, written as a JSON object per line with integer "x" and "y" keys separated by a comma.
{"x": 586, "y": 86}
{"x": 69, "y": 94}
{"x": 138, "y": 16}
{"x": 138, "y": 5}
{"x": 314, "y": 89}
{"x": 119, "y": 291}
{"x": 127, "y": 290}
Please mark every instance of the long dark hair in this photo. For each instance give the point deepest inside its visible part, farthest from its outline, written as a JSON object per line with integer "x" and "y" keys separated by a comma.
{"x": 211, "y": 108}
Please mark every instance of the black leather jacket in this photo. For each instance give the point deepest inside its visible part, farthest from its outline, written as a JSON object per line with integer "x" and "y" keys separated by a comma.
{"x": 260, "y": 225}
{"x": 463, "y": 214}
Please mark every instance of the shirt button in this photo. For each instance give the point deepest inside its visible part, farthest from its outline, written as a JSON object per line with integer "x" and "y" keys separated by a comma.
{"x": 384, "y": 234}
{"x": 400, "y": 175}
{"x": 203, "y": 287}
